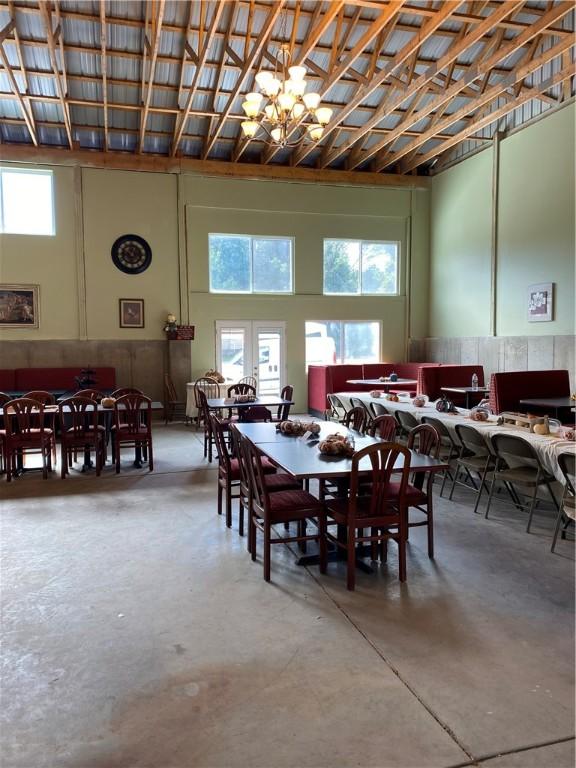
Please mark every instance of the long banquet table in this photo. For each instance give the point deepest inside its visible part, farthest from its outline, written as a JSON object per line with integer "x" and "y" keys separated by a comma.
{"x": 548, "y": 447}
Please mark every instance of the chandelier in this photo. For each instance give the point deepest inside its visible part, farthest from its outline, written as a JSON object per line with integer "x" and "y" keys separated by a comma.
{"x": 285, "y": 104}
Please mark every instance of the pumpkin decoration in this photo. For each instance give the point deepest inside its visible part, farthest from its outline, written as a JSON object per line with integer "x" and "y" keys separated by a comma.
{"x": 479, "y": 414}
{"x": 214, "y": 374}
{"x": 541, "y": 429}
{"x": 245, "y": 399}
{"x": 382, "y": 378}
{"x": 375, "y": 393}
{"x": 393, "y": 398}
{"x": 444, "y": 405}
{"x": 297, "y": 428}
{"x": 419, "y": 401}
{"x": 108, "y": 402}
{"x": 567, "y": 433}
{"x": 336, "y": 445}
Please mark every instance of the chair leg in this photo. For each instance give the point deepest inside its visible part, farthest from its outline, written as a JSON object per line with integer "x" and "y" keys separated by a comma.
{"x": 456, "y": 473}
{"x": 491, "y": 494}
{"x": 228, "y": 505}
{"x": 150, "y": 457}
{"x": 219, "y": 498}
{"x": 430, "y": 526}
{"x": 531, "y": 508}
{"x": 267, "y": 546}
{"x": 351, "y": 565}
{"x": 252, "y": 538}
{"x": 482, "y": 487}
{"x": 322, "y": 543}
{"x": 557, "y": 529}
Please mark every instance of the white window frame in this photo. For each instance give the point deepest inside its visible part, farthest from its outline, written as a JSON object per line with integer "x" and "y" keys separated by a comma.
{"x": 362, "y": 242}
{"x": 34, "y": 172}
{"x": 252, "y": 292}
{"x": 342, "y": 338}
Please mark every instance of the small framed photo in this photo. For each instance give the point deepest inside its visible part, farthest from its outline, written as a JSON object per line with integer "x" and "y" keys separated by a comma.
{"x": 540, "y": 302}
{"x": 19, "y": 306}
{"x": 131, "y": 313}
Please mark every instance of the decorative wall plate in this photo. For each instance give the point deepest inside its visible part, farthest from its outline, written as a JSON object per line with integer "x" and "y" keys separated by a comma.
{"x": 131, "y": 254}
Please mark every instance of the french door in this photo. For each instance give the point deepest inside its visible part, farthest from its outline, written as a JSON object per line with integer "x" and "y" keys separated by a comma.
{"x": 252, "y": 348}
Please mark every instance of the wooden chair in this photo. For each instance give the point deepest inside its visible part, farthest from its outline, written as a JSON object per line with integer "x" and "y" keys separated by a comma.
{"x": 270, "y": 509}
{"x": 211, "y": 389}
{"x": 274, "y": 480}
{"x": 377, "y": 409}
{"x": 283, "y": 411}
{"x": 26, "y": 432}
{"x": 126, "y": 391}
{"x": 355, "y": 419}
{"x": 423, "y": 439}
{"x": 80, "y": 431}
{"x": 46, "y": 398}
{"x": 242, "y": 388}
{"x": 173, "y": 406}
{"x": 133, "y": 427}
{"x": 204, "y": 416}
{"x": 356, "y": 402}
{"x": 4, "y": 398}
{"x": 91, "y": 394}
{"x": 251, "y": 380}
{"x": 383, "y": 427}
{"x": 256, "y": 413}
{"x": 567, "y": 513}
{"x": 384, "y": 511}
{"x": 228, "y": 470}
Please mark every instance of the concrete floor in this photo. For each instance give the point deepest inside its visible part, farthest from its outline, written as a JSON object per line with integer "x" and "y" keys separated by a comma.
{"x": 138, "y": 634}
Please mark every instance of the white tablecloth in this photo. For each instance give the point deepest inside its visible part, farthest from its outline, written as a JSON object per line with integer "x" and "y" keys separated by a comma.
{"x": 191, "y": 410}
{"x": 547, "y": 447}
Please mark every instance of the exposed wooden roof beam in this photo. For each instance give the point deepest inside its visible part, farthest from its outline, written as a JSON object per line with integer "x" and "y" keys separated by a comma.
{"x": 483, "y": 98}
{"x": 456, "y": 49}
{"x": 156, "y": 23}
{"x": 180, "y": 122}
{"x": 14, "y": 28}
{"x": 28, "y": 118}
{"x": 104, "y": 69}
{"x": 46, "y": 14}
{"x": 248, "y": 64}
{"x": 492, "y": 117}
{"x": 185, "y": 47}
{"x": 419, "y": 36}
{"x": 513, "y": 25}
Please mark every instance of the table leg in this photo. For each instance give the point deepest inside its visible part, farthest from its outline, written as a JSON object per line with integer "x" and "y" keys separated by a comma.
{"x": 138, "y": 456}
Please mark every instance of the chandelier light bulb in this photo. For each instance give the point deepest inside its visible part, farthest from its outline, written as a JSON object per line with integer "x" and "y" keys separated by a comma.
{"x": 272, "y": 87}
{"x": 323, "y": 115}
{"x": 297, "y": 87}
{"x": 254, "y": 96}
{"x": 312, "y": 100}
{"x": 263, "y": 78}
{"x": 315, "y": 131}
{"x": 250, "y": 108}
{"x": 249, "y": 128}
{"x": 297, "y": 74}
{"x": 271, "y": 112}
{"x": 286, "y": 101}
{"x": 298, "y": 110}
{"x": 276, "y": 134}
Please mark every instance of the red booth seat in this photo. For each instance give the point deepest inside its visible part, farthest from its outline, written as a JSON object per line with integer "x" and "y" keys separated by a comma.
{"x": 60, "y": 378}
{"x": 326, "y": 379}
{"x": 507, "y": 389}
{"x": 7, "y": 380}
{"x": 431, "y": 380}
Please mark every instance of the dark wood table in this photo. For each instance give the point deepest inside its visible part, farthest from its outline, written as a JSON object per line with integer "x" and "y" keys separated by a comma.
{"x": 301, "y": 458}
{"x": 384, "y": 385}
{"x": 221, "y": 403}
{"x": 555, "y": 404}
{"x": 468, "y": 392}
{"x": 260, "y": 432}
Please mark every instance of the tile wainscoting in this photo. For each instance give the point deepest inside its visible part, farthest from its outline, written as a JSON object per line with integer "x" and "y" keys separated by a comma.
{"x": 140, "y": 364}
{"x": 500, "y": 353}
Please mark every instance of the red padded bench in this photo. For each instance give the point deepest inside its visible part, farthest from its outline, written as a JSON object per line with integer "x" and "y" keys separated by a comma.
{"x": 7, "y": 380}
{"x": 507, "y": 389}
{"x": 431, "y": 380}
{"x": 28, "y": 379}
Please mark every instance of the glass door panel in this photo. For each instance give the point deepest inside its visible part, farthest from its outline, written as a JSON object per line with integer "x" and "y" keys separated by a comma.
{"x": 233, "y": 351}
{"x": 252, "y": 348}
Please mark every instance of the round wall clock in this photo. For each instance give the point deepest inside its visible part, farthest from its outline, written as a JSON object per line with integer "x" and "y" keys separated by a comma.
{"x": 131, "y": 254}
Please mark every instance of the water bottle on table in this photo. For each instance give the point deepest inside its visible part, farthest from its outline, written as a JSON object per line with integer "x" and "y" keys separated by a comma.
{"x": 474, "y": 381}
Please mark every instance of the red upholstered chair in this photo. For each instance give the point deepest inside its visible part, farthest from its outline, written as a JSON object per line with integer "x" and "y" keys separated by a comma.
{"x": 4, "y": 398}
{"x": 355, "y": 419}
{"x": 275, "y": 481}
{"x": 423, "y": 439}
{"x": 46, "y": 398}
{"x": 384, "y": 511}
{"x": 204, "y": 417}
{"x": 383, "y": 427}
{"x": 80, "y": 432}
{"x": 26, "y": 432}
{"x": 507, "y": 389}
{"x": 133, "y": 427}
{"x": 269, "y": 509}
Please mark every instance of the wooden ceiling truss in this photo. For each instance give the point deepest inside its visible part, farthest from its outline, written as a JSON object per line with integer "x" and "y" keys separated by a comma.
{"x": 407, "y": 83}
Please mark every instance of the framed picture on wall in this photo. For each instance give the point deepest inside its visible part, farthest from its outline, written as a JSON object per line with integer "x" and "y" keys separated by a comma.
{"x": 540, "y": 302}
{"x": 131, "y": 313}
{"x": 19, "y": 306}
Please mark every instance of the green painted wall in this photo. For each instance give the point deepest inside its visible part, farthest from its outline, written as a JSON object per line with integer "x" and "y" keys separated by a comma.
{"x": 536, "y": 185}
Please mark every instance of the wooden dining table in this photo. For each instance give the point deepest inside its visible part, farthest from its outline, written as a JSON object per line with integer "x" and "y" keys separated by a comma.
{"x": 300, "y": 457}
{"x": 269, "y": 401}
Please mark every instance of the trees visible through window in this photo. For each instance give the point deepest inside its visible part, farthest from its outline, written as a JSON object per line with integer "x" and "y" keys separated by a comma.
{"x": 26, "y": 202}
{"x": 342, "y": 341}
{"x": 246, "y": 264}
{"x": 355, "y": 267}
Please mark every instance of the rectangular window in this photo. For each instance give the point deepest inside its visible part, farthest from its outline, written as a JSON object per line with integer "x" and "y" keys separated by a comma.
{"x": 246, "y": 264}
{"x": 26, "y": 202}
{"x": 342, "y": 341}
{"x": 358, "y": 267}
